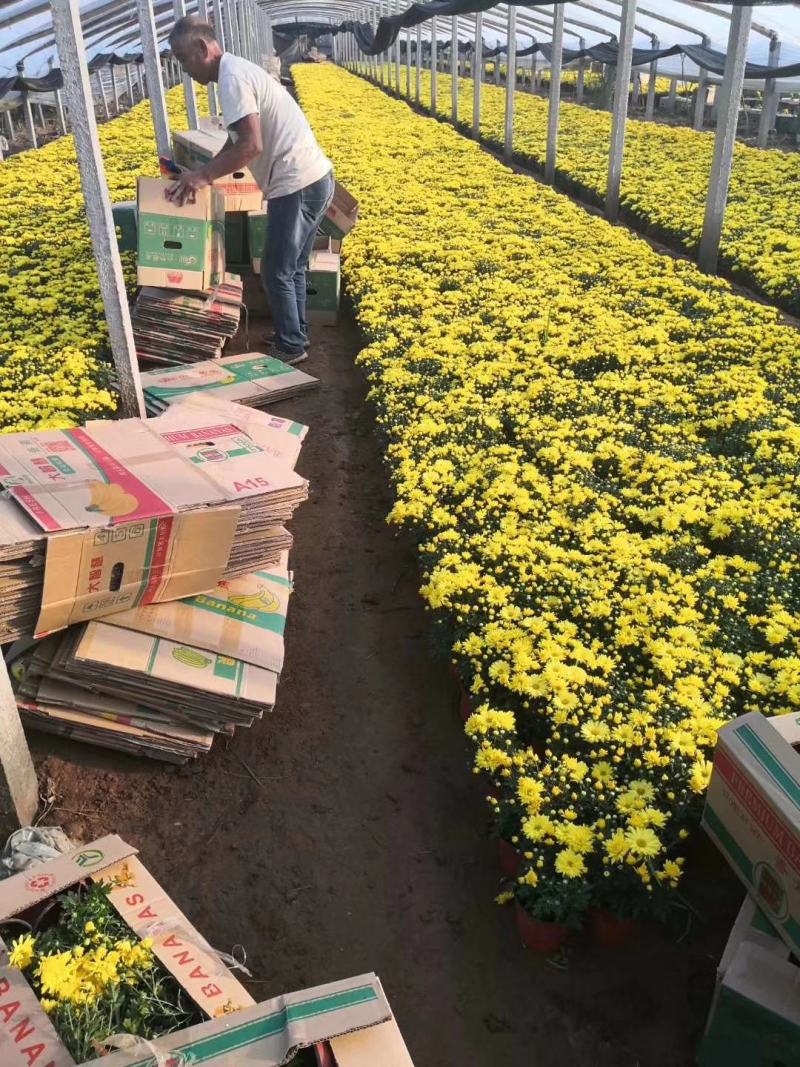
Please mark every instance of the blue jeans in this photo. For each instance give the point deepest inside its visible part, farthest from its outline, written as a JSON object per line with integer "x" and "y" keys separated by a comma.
{"x": 291, "y": 229}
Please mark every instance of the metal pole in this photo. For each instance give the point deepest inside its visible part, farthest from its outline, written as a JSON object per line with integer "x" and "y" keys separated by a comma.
{"x": 62, "y": 118}
{"x": 771, "y": 97}
{"x": 112, "y": 70}
{"x": 554, "y": 105}
{"x": 69, "y": 41}
{"x": 418, "y": 65}
{"x": 434, "y": 64}
{"x": 477, "y": 76}
{"x": 29, "y": 123}
{"x": 408, "y": 64}
{"x": 454, "y": 70}
{"x": 188, "y": 84}
{"x": 620, "y": 115}
{"x": 511, "y": 77}
{"x": 497, "y": 69}
{"x": 129, "y": 80}
{"x": 140, "y": 76}
{"x": 270, "y": 43}
{"x": 672, "y": 95}
{"x": 99, "y": 75}
{"x": 650, "y": 105}
{"x": 155, "y": 84}
{"x": 700, "y": 100}
{"x": 579, "y": 83}
{"x": 725, "y": 138}
{"x": 202, "y": 11}
{"x": 397, "y": 53}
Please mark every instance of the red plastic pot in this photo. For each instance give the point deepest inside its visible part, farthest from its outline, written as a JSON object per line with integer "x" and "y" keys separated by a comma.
{"x": 325, "y": 1056}
{"x": 510, "y": 858}
{"x": 608, "y": 930}
{"x": 539, "y": 936}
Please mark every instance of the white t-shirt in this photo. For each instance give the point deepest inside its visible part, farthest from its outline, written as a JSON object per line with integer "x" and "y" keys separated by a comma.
{"x": 291, "y": 158}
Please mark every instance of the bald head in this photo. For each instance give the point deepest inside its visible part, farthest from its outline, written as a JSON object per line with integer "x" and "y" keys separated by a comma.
{"x": 194, "y": 44}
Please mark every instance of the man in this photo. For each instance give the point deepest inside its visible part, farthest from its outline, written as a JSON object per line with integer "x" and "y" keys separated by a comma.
{"x": 268, "y": 133}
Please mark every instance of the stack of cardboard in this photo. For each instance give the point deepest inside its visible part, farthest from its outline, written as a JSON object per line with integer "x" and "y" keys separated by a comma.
{"x": 251, "y": 378}
{"x": 117, "y": 514}
{"x": 172, "y": 327}
{"x": 162, "y": 680}
{"x": 752, "y": 814}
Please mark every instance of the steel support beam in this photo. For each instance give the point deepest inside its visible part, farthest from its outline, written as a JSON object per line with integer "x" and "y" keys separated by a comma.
{"x": 771, "y": 97}
{"x": 454, "y": 70}
{"x": 69, "y": 41}
{"x": 511, "y": 78}
{"x": 727, "y": 122}
{"x": 434, "y": 64}
{"x": 554, "y": 106}
{"x": 155, "y": 84}
{"x": 477, "y": 76}
{"x": 620, "y": 112}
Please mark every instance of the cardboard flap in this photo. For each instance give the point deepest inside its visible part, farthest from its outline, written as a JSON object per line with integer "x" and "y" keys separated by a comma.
{"x": 26, "y": 1034}
{"x": 269, "y": 1034}
{"x": 149, "y": 911}
{"x": 21, "y": 891}
{"x": 243, "y": 618}
{"x": 91, "y": 573}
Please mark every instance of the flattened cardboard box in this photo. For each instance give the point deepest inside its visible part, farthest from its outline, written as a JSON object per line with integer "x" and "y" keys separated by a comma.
{"x": 752, "y": 813}
{"x": 26, "y": 1035}
{"x": 180, "y": 247}
{"x": 251, "y": 378}
{"x": 115, "y": 539}
{"x": 195, "y": 148}
{"x": 272, "y": 1033}
{"x": 243, "y": 618}
{"x": 136, "y": 512}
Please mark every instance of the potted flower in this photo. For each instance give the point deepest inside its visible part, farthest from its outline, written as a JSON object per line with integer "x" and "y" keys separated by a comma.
{"x": 547, "y": 911}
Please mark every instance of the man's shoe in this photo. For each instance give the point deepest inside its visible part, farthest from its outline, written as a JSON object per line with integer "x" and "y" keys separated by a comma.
{"x": 273, "y": 350}
{"x": 294, "y": 360}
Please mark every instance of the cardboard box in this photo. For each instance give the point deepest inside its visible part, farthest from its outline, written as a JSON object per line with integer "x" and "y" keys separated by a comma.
{"x": 323, "y": 243}
{"x": 752, "y": 813}
{"x": 140, "y": 511}
{"x": 180, "y": 247}
{"x": 126, "y": 220}
{"x": 236, "y": 236}
{"x": 323, "y": 283}
{"x": 342, "y": 214}
{"x": 26, "y": 1034}
{"x": 754, "y": 1019}
{"x": 257, "y": 235}
{"x": 251, "y": 378}
{"x": 348, "y": 1020}
{"x": 195, "y": 148}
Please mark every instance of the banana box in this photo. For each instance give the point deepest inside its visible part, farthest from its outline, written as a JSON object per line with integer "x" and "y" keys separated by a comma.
{"x": 195, "y": 148}
{"x": 180, "y": 247}
{"x": 138, "y": 512}
{"x": 242, "y": 618}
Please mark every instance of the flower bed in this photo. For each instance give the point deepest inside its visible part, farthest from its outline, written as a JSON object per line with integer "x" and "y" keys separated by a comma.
{"x": 53, "y": 340}
{"x": 760, "y": 244}
{"x": 596, "y": 448}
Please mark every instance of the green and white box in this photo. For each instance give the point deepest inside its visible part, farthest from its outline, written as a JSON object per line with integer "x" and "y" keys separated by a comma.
{"x": 342, "y": 214}
{"x": 752, "y": 813}
{"x": 180, "y": 247}
{"x": 323, "y": 284}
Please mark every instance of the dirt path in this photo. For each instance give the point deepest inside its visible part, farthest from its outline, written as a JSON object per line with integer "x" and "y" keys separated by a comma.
{"x": 363, "y": 847}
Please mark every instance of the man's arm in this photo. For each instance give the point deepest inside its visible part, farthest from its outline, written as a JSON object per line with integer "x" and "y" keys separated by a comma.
{"x": 231, "y": 157}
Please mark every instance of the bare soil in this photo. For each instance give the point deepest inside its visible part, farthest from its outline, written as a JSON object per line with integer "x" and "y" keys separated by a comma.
{"x": 346, "y": 834}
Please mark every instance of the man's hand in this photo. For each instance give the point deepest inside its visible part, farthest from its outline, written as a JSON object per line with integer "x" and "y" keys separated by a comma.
{"x": 186, "y": 187}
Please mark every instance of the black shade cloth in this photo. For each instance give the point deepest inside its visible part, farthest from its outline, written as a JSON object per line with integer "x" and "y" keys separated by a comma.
{"x": 372, "y": 41}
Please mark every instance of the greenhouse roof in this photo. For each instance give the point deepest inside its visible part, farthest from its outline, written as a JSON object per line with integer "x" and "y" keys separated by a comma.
{"x": 111, "y": 25}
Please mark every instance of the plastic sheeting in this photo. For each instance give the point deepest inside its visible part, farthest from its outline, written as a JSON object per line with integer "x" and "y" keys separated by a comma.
{"x": 53, "y": 80}
{"x": 373, "y": 42}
